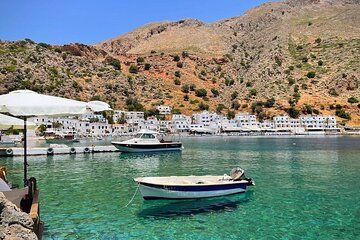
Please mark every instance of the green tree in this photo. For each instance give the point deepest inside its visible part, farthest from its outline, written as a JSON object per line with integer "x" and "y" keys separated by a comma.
{"x": 220, "y": 107}
{"x": 293, "y": 112}
{"x": 230, "y": 115}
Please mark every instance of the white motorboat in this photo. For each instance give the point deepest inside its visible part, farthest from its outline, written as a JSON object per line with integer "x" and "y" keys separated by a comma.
{"x": 147, "y": 141}
{"x": 188, "y": 187}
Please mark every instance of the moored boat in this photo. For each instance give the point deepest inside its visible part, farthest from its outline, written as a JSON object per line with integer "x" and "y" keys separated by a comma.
{"x": 60, "y": 137}
{"x": 147, "y": 141}
{"x": 189, "y": 187}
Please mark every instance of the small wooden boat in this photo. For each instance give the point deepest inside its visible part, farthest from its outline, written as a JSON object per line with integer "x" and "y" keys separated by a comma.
{"x": 147, "y": 141}
{"x": 189, "y": 187}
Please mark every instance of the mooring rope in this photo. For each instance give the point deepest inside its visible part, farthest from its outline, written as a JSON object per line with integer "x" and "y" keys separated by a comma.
{"x": 137, "y": 188}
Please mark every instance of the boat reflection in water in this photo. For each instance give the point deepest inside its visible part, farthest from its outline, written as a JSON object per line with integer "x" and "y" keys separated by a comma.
{"x": 171, "y": 208}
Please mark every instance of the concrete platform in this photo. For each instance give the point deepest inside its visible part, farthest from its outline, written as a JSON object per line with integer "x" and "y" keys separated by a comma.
{"x": 56, "y": 150}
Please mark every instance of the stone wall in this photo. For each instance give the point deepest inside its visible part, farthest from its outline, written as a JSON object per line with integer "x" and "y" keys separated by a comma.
{"x": 14, "y": 224}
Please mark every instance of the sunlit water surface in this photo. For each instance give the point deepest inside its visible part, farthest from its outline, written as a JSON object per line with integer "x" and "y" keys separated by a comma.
{"x": 306, "y": 188}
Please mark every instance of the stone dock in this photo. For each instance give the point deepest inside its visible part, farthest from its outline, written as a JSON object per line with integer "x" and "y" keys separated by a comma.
{"x": 56, "y": 150}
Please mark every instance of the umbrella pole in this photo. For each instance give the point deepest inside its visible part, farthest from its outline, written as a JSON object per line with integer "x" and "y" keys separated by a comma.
{"x": 25, "y": 154}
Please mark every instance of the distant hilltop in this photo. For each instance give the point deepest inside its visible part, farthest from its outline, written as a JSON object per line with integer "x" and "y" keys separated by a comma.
{"x": 298, "y": 56}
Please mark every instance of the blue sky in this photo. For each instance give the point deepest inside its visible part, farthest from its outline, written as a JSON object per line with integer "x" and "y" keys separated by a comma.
{"x": 89, "y": 22}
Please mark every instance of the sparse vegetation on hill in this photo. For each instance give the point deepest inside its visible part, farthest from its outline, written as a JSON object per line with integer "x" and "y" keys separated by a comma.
{"x": 296, "y": 57}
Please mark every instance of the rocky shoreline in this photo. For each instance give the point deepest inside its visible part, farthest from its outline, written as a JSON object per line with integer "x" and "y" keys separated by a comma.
{"x": 14, "y": 224}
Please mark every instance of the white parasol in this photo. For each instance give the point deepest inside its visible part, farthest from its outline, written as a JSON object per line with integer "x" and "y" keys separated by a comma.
{"x": 26, "y": 103}
{"x": 7, "y": 122}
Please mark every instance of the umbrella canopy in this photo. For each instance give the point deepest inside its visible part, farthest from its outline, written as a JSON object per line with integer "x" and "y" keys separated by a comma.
{"x": 99, "y": 106}
{"x": 7, "y": 122}
{"x": 28, "y": 103}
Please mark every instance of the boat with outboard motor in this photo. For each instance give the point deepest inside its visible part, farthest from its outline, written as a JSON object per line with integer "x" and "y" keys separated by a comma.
{"x": 147, "y": 141}
{"x": 188, "y": 187}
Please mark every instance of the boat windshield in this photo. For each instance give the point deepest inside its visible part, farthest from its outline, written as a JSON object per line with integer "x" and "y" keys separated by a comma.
{"x": 147, "y": 135}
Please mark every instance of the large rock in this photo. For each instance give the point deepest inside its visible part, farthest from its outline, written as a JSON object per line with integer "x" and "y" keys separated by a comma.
{"x": 14, "y": 224}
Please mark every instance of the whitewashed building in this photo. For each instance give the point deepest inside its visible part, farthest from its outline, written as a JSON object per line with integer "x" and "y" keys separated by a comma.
{"x": 120, "y": 129}
{"x": 180, "y": 123}
{"x": 319, "y": 122}
{"x": 164, "y": 109}
{"x": 130, "y": 117}
{"x": 246, "y": 121}
{"x": 205, "y": 118}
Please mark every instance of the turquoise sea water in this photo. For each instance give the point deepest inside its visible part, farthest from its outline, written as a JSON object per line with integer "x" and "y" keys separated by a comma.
{"x": 306, "y": 188}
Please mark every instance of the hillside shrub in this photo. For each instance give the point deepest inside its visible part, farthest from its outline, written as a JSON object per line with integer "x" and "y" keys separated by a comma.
{"x": 176, "y": 58}
{"x": 353, "y": 100}
{"x": 200, "y": 92}
{"x": 343, "y": 114}
{"x": 192, "y": 87}
{"x": 133, "y": 69}
{"x": 220, "y": 107}
{"x": 140, "y": 60}
{"x": 311, "y": 74}
{"x": 185, "y": 88}
{"x": 215, "y": 92}
{"x": 147, "y": 66}
{"x": 179, "y": 64}
{"x": 234, "y": 95}
{"x": 230, "y": 115}
{"x": 235, "y": 105}
{"x": 269, "y": 102}
{"x": 253, "y": 92}
{"x": 177, "y": 81}
{"x": 229, "y": 81}
{"x": 203, "y": 106}
{"x": 293, "y": 112}
{"x": 291, "y": 81}
{"x": 333, "y": 92}
{"x": 177, "y": 74}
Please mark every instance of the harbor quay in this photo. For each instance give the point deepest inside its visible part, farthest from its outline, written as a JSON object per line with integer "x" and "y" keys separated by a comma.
{"x": 127, "y": 123}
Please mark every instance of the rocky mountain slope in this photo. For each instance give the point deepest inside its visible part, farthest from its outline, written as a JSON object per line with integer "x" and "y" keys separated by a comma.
{"x": 299, "y": 56}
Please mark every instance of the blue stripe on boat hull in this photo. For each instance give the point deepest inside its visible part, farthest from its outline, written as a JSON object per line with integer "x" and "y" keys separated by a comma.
{"x": 199, "y": 188}
{"x": 159, "y": 198}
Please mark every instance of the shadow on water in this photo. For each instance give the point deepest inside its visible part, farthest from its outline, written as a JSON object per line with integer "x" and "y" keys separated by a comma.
{"x": 173, "y": 208}
{"x": 149, "y": 154}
